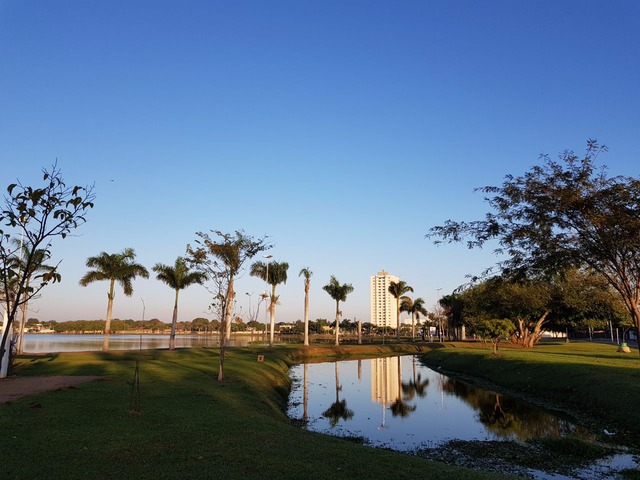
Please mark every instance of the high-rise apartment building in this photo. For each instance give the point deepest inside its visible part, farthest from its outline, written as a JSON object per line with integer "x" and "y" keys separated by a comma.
{"x": 383, "y": 304}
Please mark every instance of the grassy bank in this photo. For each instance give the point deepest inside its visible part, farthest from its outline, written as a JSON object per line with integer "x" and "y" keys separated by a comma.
{"x": 190, "y": 425}
{"x": 590, "y": 380}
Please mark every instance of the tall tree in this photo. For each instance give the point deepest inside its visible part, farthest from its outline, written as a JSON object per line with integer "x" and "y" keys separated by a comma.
{"x": 177, "y": 277}
{"x": 37, "y": 216}
{"x": 339, "y": 293}
{"x": 413, "y": 308}
{"x": 274, "y": 273}
{"x": 398, "y": 290}
{"x": 114, "y": 267}
{"x": 222, "y": 259}
{"x": 306, "y": 273}
{"x": 563, "y": 213}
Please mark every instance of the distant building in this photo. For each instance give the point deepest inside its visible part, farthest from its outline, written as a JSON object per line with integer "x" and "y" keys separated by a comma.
{"x": 383, "y": 304}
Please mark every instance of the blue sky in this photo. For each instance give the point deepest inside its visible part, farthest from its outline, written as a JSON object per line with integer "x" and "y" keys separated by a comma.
{"x": 343, "y": 130}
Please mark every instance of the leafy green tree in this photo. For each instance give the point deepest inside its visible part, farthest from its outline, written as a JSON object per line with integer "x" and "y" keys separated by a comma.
{"x": 178, "y": 277}
{"x": 306, "y": 273}
{"x": 114, "y": 267}
{"x": 398, "y": 290}
{"x": 452, "y": 307}
{"x": 274, "y": 274}
{"x": 494, "y": 329}
{"x": 200, "y": 324}
{"x": 584, "y": 300}
{"x": 222, "y": 259}
{"x": 564, "y": 213}
{"x": 37, "y": 216}
{"x": 339, "y": 293}
{"x": 528, "y": 304}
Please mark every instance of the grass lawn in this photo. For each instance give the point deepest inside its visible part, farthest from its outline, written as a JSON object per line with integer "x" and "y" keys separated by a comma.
{"x": 191, "y": 426}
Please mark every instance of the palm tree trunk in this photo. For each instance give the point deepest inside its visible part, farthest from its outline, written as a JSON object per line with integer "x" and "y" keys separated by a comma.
{"x": 107, "y": 326}
{"x": 174, "y": 323}
{"x": 272, "y": 315}
{"x": 398, "y": 318}
{"x": 306, "y": 315}
{"x": 337, "y": 324}
{"x": 413, "y": 327}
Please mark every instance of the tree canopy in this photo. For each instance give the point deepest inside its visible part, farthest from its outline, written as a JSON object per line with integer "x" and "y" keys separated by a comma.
{"x": 560, "y": 214}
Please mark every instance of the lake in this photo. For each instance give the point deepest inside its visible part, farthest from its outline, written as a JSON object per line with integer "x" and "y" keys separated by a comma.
{"x": 54, "y": 343}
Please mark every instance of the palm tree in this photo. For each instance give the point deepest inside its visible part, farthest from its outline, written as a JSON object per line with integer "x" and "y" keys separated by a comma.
{"x": 398, "y": 289}
{"x": 414, "y": 308}
{"x": 339, "y": 294}
{"x": 306, "y": 273}
{"x": 177, "y": 277}
{"x": 274, "y": 273}
{"x": 114, "y": 267}
{"x": 37, "y": 265}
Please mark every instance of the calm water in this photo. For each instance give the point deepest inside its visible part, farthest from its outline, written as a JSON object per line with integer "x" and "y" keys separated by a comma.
{"x": 397, "y": 403}
{"x": 51, "y": 343}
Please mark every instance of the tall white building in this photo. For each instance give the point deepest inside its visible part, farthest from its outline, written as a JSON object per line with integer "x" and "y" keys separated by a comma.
{"x": 383, "y": 304}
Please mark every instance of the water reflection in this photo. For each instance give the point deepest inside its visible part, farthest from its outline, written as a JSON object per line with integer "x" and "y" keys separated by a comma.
{"x": 509, "y": 418}
{"x": 427, "y": 408}
{"x": 338, "y": 409}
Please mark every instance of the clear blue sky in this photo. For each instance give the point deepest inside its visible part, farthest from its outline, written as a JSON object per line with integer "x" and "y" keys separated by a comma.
{"x": 343, "y": 130}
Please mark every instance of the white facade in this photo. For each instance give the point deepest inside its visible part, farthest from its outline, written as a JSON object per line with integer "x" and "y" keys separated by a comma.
{"x": 383, "y": 304}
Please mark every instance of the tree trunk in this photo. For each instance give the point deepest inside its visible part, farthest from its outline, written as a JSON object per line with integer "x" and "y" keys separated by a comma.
{"x": 413, "y": 327}
{"x": 635, "y": 314}
{"x": 174, "y": 323}
{"x": 231, "y": 295}
{"x": 107, "y": 325}
{"x": 272, "y": 315}
{"x": 23, "y": 321}
{"x": 398, "y": 318}
{"x": 337, "y": 323}
{"x": 306, "y": 314}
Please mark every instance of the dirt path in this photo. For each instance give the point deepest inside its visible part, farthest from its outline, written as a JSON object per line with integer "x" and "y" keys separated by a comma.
{"x": 12, "y": 388}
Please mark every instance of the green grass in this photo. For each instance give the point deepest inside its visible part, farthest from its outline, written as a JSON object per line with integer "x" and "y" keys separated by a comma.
{"x": 191, "y": 426}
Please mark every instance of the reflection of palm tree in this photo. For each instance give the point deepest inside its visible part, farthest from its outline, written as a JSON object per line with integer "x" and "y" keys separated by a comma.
{"x": 400, "y": 406}
{"x": 305, "y": 395}
{"x": 415, "y": 386}
{"x": 338, "y": 410}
